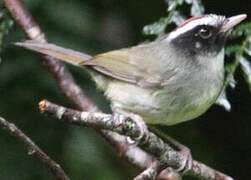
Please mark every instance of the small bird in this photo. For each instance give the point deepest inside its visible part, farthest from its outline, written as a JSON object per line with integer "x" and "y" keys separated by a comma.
{"x": 173, "y": 79}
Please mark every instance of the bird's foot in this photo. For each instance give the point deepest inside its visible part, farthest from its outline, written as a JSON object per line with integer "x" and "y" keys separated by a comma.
{"x": 187, "y": 161}
{"x": 142, "y": 137}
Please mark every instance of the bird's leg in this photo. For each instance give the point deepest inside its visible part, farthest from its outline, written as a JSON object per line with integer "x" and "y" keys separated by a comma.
{"x": 138, "y": 120}
{"x": 187, "y": 163}
{"x": 185, "y": 151}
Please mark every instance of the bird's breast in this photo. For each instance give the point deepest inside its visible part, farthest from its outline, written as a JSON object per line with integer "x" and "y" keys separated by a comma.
{"x": 182, "y": 98}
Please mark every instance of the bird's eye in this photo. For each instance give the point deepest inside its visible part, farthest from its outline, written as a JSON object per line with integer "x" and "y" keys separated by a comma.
{"x": 205, "y": 33}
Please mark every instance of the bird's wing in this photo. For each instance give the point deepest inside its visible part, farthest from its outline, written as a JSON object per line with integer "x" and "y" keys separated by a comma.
{"x": 127, "y": 66}
{"x": 135, "y": 65}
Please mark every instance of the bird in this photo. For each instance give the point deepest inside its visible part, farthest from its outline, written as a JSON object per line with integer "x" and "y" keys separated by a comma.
{"x": 173, "y": 79}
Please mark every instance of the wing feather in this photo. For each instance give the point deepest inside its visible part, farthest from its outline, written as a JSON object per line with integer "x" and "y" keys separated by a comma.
{"x": 135, "y": 65}
{"x": 122, "y": 65}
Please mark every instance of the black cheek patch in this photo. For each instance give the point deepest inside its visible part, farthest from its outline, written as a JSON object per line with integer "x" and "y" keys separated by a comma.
{"x": 192, "y": 44}
{"x": 186, "y": 44}
{"x": 219, "y": 42}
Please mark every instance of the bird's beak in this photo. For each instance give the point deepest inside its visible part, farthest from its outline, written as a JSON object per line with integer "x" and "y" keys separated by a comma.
{"x": 231, "y": 22}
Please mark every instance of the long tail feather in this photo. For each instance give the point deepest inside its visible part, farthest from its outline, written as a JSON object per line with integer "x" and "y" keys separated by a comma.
{"x": 67, "y": 55}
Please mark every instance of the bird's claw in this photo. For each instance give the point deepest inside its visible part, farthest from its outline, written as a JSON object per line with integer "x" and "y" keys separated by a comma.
{"x": 139, "y": 122}
{"x": 142, "y": 128}
{"x": 187, "y": 161}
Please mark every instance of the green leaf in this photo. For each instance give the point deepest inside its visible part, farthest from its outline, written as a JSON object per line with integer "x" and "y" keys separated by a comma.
{"x": 197, "y": 7}
{"x": 248, "y": 48}
{"x": 232, "y": 49}
{"x": 223, "y": 101}
{"x": 246, "y": 68}
{"x": 177, "y": 18}
{"x": 232, "y": 82}
{"x": 157, "y": 28}
{"x": 180, "y": 2}
{"x": 243, "y": 29}
{"x": 172, "y": 4}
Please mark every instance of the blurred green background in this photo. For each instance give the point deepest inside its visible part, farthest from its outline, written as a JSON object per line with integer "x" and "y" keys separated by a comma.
{"x": 220, "y": 139}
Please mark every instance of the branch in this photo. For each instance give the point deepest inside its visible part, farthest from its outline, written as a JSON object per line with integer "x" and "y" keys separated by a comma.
{"x": 116, "y": 123}
{"x": 68, "y": 86}
{"x": 33, "y": 149}
{"x": 153, "y": 144}
{"x": 77, "y": 96}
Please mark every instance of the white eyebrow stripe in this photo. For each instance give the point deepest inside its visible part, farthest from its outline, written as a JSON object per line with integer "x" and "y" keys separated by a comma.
{"x": 205, "y": 20}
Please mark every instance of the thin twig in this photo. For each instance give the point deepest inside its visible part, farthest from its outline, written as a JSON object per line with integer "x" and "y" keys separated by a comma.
{"x": 33, "y": 149}
{"x": 153, "y": 144}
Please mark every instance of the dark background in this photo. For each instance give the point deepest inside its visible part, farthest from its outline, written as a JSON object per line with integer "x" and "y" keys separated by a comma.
{"x": 219, "y": 138}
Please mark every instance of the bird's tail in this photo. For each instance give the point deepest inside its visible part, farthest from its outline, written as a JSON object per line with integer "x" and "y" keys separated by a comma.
{"x": 67, "y": 55}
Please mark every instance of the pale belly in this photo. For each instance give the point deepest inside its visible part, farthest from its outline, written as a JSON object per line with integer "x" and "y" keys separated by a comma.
{"x": 159, "y": 107}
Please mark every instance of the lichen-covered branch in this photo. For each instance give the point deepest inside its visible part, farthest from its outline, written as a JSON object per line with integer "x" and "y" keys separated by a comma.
{"x": 116, "y": 123}
{"x": 33, "y": 149}
{"x": 152, "y": 144}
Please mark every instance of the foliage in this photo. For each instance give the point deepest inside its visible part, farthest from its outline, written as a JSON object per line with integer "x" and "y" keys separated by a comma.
{"x": 175, "y": 16}
{"x": 241, "y": 51}
{"x": 242, "y": 56}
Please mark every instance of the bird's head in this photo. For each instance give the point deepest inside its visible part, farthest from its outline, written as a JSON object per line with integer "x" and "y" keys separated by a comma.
{"x": 203, "y": 35}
